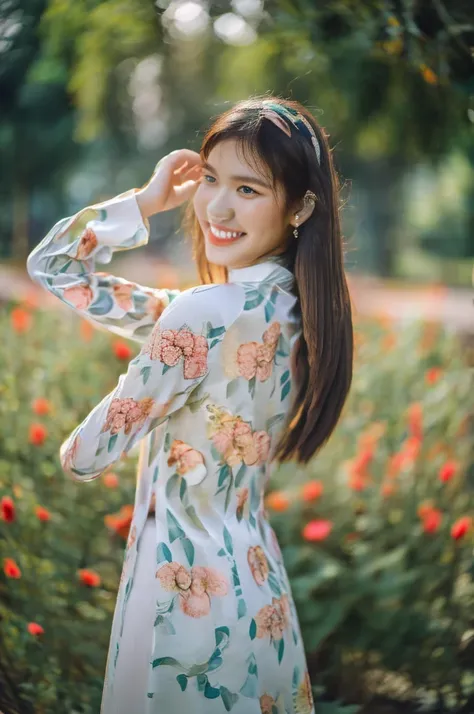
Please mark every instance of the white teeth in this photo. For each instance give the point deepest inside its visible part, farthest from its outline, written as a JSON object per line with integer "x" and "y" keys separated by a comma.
{"x": 227, "y": 235}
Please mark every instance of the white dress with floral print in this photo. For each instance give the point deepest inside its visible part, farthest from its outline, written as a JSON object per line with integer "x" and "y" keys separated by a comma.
{"x": 206, "y": 397}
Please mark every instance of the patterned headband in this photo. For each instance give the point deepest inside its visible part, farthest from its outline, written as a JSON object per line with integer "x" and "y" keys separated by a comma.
{"x": 275, "y": 112}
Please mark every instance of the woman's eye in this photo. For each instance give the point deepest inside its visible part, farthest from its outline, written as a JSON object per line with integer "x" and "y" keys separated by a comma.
{"x": 206, "y": 176}
{"x": 249, "y": 189}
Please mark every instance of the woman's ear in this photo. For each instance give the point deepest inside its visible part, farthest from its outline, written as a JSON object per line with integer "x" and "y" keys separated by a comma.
{"x": 306, "y": 209}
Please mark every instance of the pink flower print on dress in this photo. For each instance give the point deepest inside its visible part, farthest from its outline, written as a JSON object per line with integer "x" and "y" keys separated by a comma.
{"x": 271, "y": 620}
{"x": 154, "y": 306}
{"x": 194, "y": 588}
{"x": 233, "y": 438}
{"x": 256, "y": 360}
{"x": 127, "y": 414}
{"x": 169, "y": 346}
{"x": 258, "y": 564}
{"x": 87, "y": 243}
{"x": 189, "y": 462}
{"x": 123, "y": 295}
{"x": 242, "y": 498}
{"x": 244, "y": 441}
{"x": 80, "y": 296}
{"x": 267, "y": 704}
{"x": 262, "y": 442}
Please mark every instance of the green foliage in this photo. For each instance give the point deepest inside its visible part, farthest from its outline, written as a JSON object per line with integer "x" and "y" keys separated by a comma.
{"x": 383, "y": 604}
{"x": 383, "y": 597}
{"x": 61, "y": 670}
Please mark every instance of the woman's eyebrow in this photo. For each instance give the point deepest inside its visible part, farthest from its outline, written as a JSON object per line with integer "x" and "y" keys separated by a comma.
{"x": 244, "y": 179}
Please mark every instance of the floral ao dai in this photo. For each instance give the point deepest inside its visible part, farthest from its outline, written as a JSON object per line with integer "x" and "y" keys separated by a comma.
{"x": 206, "y": 400}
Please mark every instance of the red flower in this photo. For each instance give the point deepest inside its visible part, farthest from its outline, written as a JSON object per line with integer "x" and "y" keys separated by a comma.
{"x": 362, "y": 460}
{"x": 35, "y": 629}
{"x": 11, "y": 569}
{"x": 433, "y": 374}
{"x": 111, "y": 480}
{"x": 7, "y": 508}
{"x": 387, "y": 490}
{"x": 21, "y": 320}
{"x": 120, "y": 522}
{"x": 447, "y": 471}
{"x": 432, "y": 520}
{"x": 89, "y": 578}
{"x": 461, "y": 527}
{"x": 41, "y": 406}
{"x": 415, "y": 420}
{"x": 42, "y": 514}
{"x": 277, "y": 501}
{"x": 122, "y": 350}
{"x": 312, "y": 490}
{"x": 317, "y": 530}
{"x": 357, "y": 482}
{"x": 37, "y": 434}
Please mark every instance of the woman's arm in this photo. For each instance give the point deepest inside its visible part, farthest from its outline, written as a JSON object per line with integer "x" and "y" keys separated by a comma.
{"x": 64, "y": 263}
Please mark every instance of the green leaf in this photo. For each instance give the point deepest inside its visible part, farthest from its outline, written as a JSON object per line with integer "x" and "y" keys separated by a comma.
{"x": 171, "y": 484}
{"x": 252, "y": 629}
{"x": 240, "y": 475}
{"x": 145, "y": 373}
{"x": 191, "y": 511}
{"x": 183, "y": 491}
{"x": 241, "y": 608}
{"x": 254, "y": 299}
{"x": 163, "y": 553}
{"x": 189, "y": 550}
{"x": 182, "y": 681}
{"x": 230, "y": 490}
{"x": 170, "y": 661}
{"x": 215, "y": 331}
{"x": 102, "y": 305}
{"x": 284, "y": 377}
{"x": 167, "y": 444}
{"x": 281, "y": 650}
{"x": 166, "y": 367}
{"x": 224, "y": 473}
{"x": 111, "y": 443}
{"x": 228, "y": 541}
{"x": 285, "y": 390}
{"x": 174, "y": 529}
{"x": 228, "y": 698}
{"x": 274, "y": 584}
{"x": 211, "y": 692}
{"x": 269, "y": 311}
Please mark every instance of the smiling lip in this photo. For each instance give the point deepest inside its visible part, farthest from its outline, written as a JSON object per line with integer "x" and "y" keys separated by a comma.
{"x": 215, "y": 240}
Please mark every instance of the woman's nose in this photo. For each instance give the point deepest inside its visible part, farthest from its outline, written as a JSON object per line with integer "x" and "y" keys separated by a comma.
{"x": 219, "y": 208}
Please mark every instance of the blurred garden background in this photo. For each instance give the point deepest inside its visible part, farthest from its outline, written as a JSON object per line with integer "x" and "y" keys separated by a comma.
{"x": 377, "y": 532}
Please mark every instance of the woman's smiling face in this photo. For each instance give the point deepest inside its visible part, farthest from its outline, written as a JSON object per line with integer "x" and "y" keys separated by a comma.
{"x": 242, "y": 217}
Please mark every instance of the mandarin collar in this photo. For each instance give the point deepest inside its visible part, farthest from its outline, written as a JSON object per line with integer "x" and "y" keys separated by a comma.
{"x": 269, "y": 270}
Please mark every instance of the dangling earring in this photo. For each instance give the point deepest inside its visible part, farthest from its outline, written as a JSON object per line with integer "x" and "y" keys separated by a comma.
{"x": 295, "y": 232}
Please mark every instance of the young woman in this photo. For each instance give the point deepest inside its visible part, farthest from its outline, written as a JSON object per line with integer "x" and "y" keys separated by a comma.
{"x": 251, "y": 367}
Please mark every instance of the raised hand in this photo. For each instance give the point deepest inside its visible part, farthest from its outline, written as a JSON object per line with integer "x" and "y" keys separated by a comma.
{"x": 174, "y": 181}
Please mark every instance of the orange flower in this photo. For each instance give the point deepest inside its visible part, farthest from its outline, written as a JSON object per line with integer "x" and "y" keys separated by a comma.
{"x": 21, "y": 320}
{"x": 432, "y": 520}
{"x": 86, "y": 330}
{"x": 317, "y": 530}
{"x": 424, "y": 508}
{"x": 41, "y": 406}
{"x": 7, "y": 509}
{"x": 395, "y": 464}
{"x": 387, "y": 490}
{"x": 461, "y": 527}
{"x": 415, "y": 420}
{"x": 447, "y": 471}
{"x": 42, "y": 514}
{"x": 312, "y": 490}
{"x": 111, "y": 480}
{"x": 35, "y": 629}
{"x": 433, "y": 375}
{"x": 277, "y": 501}
{"x": 120, "y": 523}
{"x": 11, "y": 569}
{"x": 37, "y": 434}
{"x": 357, "y": 482}
{"x": 122, "y": 350}
{"x": 411, "y": 449}
{"x": 89, "y": 578}
{"x": 428, "y": 75}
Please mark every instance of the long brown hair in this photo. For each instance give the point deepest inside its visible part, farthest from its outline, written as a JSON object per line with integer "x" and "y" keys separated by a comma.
{"x": 323, "y": 356}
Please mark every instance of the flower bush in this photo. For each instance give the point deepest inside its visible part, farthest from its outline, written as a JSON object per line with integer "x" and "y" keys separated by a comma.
{"x": 377, "y": 532}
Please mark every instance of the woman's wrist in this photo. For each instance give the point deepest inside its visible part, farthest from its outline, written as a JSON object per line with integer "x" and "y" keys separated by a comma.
{"x": 143, "y": 204}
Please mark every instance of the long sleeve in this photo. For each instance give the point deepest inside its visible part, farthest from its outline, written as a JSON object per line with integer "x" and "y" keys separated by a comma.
{"x": 158, "y": 382}
{"x": 64, "y": 263}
